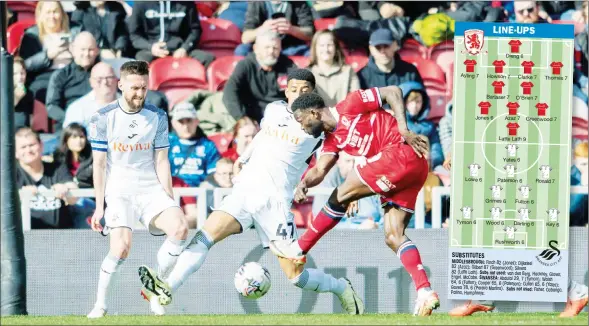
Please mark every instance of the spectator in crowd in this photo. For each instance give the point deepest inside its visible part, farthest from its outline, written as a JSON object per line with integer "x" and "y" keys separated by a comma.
{"x": 445, "y": 131}
{"x": 580, "y": 80}
{"x": 417, "y": 105}
{"x": 385, "y": 66}
{"x": 163, "y": 28}
{"x": 45, "y": 46}
{"x": 103, "y": 82}
{"x": 76, "y": 154}
{"x": 527, "y": 12}
{"x": 292, "y": 20}
{"x": 233, "y": 11}
{"x": 34, "y": 175}
{"x": 73, "y": 81}
{"x": 258, "y": 79}
{"x": 188, "y": 203}
{"x": 367, "y": 215}
{"x": 579, "y": 177}
{"x": 376, "y": 10}
{"x": 334, "y": 78}
{"x": 106, "y": 21}
{"x": 243, "y": 133}
{"x": 192, "y": 155}
{"x": 222, "y": 177}
{"x": 549, "y": 10}
{"x": 23, "y": 98}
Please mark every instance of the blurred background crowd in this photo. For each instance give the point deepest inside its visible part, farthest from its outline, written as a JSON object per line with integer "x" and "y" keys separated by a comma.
{"x": 215, "y": 65}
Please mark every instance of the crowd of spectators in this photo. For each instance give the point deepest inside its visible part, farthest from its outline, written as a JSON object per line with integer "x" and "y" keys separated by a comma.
{"x": 66, "y": 68}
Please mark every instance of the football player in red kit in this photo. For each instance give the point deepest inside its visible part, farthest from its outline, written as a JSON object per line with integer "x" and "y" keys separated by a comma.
{"x": 390, "y": 162}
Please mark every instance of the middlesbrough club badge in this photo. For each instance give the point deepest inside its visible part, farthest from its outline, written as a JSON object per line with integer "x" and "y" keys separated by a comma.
{"x": 473, "y": 41}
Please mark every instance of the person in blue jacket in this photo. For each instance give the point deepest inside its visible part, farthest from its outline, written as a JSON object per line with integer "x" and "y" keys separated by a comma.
{"x": 417, "y": 105}
{"x": 192, "y": 155}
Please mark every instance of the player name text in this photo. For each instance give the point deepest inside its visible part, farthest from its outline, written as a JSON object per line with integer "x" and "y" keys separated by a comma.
{"x": 495, "y": 97}
{"x": 544, "y": 181}
{"x": 513, "y": 180}
{"x": 473, "y": 179}
{"x": 526, "y": 224}
{"x": 523, "y": 97}
{"x": 495, "y": 201}
{"x": 541, "y": 119}
{"x": 509, "y": 242}
{"x": 480, "y": 117}
{"x": 510, "y": 160}
{"x": 512, "y": 138}
{"x": 526, "y": 77}
{"x": 556, "y": 77}
{"x": 469, "y": 76}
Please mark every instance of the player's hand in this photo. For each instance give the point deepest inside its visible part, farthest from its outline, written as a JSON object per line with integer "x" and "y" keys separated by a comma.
{"x": 95, "y": 222}
{"x": 352, "y": 209}
{"x": 448, "y": 164}
{"x": 417, "y": 142}
{"x": 301, "y": 193}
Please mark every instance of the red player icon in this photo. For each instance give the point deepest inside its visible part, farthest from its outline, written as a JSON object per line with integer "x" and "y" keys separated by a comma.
{"x": 499, "y": 64}
{"x": 484, "y": 107}
{"x": 527, "y": 67}
{"x": 512, "y": 126}
{"x": 527, "y": 87}
{"x": 498, "y": 86}
{"x": 556, "y": 67}
{"x": 515, "y": 44}
{"x": 470, "y": 63}
{"x": 541, "y": 109}
{"x": 512, "y": 106}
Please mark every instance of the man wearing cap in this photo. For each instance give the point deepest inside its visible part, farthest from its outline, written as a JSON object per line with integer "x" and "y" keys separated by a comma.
{"x": 385, "y": 66}
{"x": 192, "y": 155}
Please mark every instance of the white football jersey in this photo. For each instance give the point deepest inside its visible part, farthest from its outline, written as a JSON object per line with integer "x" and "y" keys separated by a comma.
{"x": 510, "y": 230}
{"x": 495, "y": 212}
{"x": 474, "y": 169}
{"x": 525, "y": 191}
{"x": 553, "y": 214}
{"x": 545, "y": 171}
{"x": 510, "y": 168}
{"x": 511, "y": 150}
{"x": 280, "y": 155}
{"x": 130, "y": 140}
{"x": 466, "y": 211}
{"x": 496, "y": 191}
{"x": 523, "y": 213}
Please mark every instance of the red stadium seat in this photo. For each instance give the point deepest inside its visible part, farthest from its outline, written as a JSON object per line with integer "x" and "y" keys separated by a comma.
{"x": 177, "y": 77}
{"x": 357, "y": 62}
{"x": 427, "y": 69}
{"x": 438, "y": 100}
{"x": 221, "y": 140}
{"x": 324, "y": 23}
{"x": 15, "y": 32}
{"x": 219, "y": 36}
{"x": 444, "y": 46}
{"x": 220, "y": 70}
{"x": 25, "y": 10}
{"x": 40, "y": 122}
{"x": 412, "y": 47}
{"x": 450, "y": 80}
{"x": 443, "y": 55}
{"x": 206, "y": 8}
{"x": 300, "y": 61}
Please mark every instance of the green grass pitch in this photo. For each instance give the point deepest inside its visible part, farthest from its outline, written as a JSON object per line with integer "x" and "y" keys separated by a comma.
{"x": 307, "y": 319}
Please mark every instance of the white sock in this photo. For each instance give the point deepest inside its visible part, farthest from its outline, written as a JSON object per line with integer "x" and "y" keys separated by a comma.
{"x": 190, "y": 259}
{"x": 168, "y": 255}
{"x": 576, "y": 291}
{"x": 318, "y": 281}
{"x": 109, "y": 267}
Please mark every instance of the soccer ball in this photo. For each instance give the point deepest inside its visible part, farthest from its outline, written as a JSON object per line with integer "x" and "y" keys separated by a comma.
{"x": 252, "y": 280}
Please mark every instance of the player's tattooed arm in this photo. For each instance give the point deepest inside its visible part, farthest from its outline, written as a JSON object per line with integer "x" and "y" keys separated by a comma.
{"x": 163, "y": 170}
{"x": 394, "y": 97}
{"x": 315, "y": 175}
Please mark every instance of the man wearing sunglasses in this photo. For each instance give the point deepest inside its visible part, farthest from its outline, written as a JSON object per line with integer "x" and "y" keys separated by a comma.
{"x": 527, "y": 12}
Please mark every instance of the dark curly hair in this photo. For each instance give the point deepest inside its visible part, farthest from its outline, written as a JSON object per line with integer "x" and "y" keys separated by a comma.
{"x": 307, "y": 101}
{"x": 302, "y": 74}
{"x": 140, "y": 68}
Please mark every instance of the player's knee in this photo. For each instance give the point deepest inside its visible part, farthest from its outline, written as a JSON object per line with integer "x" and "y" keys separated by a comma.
{"x": 181, "y": 231}
{"x": 394, "y": 238}
{"x": 121, "y": 249}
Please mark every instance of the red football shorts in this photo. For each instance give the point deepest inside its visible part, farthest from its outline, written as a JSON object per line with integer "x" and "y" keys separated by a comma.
{"x": 397, "y": 174}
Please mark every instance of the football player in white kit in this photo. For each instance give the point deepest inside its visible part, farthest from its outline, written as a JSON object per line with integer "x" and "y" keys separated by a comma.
{"x": 274, "y": 163}
{"x": 132, "y": 177}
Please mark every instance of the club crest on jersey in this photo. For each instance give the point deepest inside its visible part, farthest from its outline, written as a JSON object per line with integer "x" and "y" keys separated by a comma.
{"x": 473, "y": 41}
{"x": 384, "y": 184}
{"x": 367, "y": 95}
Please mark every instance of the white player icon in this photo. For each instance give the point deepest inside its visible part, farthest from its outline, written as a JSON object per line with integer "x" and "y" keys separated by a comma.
{"x": 553, "y": 214}
{"x": 495, "y": 212}
{"x": 545, "y": 171}
{"x": 511, "y": 150}
{"x": 466, "y": 211}
{"x": 524, "y": 214}
{"x": 496, "y": 191}
{"x": 510, "y": 168}
{"x": 474, "y": 169}
{"x": 510, "y": 230}
{"x": 525, "y": 191}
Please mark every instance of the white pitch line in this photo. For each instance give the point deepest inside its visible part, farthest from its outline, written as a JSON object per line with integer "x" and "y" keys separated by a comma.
{"x": 505, "y": 143}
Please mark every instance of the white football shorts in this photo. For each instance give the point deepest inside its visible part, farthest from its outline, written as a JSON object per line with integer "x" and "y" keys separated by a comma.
{"x": 271, "y": 217}
{"x": 128, "y": 210}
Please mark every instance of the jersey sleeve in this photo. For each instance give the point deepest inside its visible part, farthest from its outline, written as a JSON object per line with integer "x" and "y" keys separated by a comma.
{"x": 361, "y": 101}
{"x": 329, "y": 146}
{"x": 161, "y": 137}
{"x": 97, "y": 132}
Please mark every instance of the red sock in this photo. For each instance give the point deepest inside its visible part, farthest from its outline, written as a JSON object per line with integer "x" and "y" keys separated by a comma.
{"x": 411, "y": 260}
{"x": 321, "y": 224}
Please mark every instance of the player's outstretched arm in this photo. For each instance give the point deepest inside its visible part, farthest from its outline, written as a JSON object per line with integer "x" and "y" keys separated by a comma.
{"x": 394, "y": 97}
{"x": 315, "y": 175}
{"x": 163, "y": 170}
